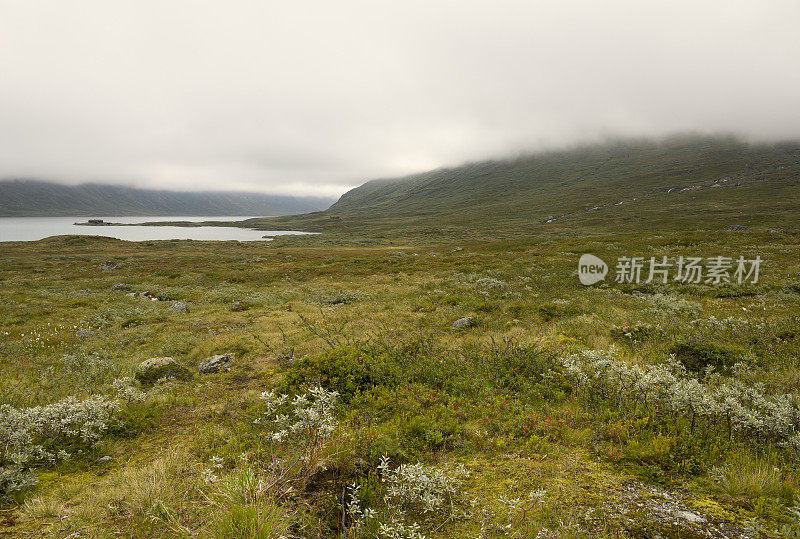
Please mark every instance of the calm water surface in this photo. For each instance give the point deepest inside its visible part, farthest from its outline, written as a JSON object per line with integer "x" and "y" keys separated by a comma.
{"x": 37, "y": 228}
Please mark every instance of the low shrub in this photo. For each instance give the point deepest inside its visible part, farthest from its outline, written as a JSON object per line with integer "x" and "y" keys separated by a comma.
{"x": 31, "y": 437}
{"x": 671, "y": 304}
{"x": 155, "y": 369}
{"x": 434, "y": 430}
{"x": 304, "y": 423}
{"x": 346, "y": 370}
{"x": 415, "y": 495}
{"x": 697, "y": 356}
{"x": 636, "y": 333}
{"x": 667, "y": 391}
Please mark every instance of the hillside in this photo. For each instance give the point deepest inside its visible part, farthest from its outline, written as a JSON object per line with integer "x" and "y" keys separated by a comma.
{"x": 694, "y": 181}
{"x": 20, "y": 198}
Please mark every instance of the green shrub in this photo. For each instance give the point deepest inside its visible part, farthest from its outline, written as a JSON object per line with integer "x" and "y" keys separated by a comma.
{"x": 518, "y": 368}
{"x": 346, "y": 370}
{"x": 434, "y": 430}
{"x": 696, "y": 356}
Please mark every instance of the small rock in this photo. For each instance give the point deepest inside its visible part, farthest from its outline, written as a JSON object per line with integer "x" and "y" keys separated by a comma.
{"x": 120, "y": 287}
{"x": 105, "y": 458}
{"x": 457, "y": 249}
{"x": 215, "y": 364}
{"x": 238, "y": 306}
{"x": 132, "y": 294}
{"x": 776, "y": 231}
{"x": 153, "y": 369}
{"x": 736, "y": 228}
{"x": 105, "y": 266}
{"x": 465, "y": 322}
{"x": 689, "y": 516}
{"x": 179, "y": 306}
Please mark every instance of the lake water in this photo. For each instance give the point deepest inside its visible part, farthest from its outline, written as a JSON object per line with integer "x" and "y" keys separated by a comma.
{"x": 37, "y": 228}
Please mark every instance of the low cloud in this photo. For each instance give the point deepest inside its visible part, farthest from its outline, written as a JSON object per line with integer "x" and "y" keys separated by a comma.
{"x": 316, "y": 97}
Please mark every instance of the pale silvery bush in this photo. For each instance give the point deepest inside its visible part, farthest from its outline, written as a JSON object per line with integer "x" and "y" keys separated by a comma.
{"x": 491, "y": 284}
{"x": 78, "y": 373}
{"x": 667, "y": 305}
{"x": 307, "y": 415}
{"x": 302, "y": 426}
{"x": 210, "y": 474}
{"x": 412, "y": 491}
{"x": 25, "y": 432}
{"x": 667, "y": 388}
{"x": 400, "y": 530}
{"x": 731, "y": 322}
{"x": 127, "y": 390}
{"x": 429, "y": 487}
{"x": 474, "y": 280}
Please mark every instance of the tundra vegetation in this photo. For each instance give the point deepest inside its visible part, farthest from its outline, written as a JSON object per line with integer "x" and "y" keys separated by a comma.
{"x": 354, "y": 408}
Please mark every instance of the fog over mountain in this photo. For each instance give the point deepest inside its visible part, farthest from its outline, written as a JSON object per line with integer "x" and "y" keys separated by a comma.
{"x": 20, "y": 198}
{"x": 316, "y": 97}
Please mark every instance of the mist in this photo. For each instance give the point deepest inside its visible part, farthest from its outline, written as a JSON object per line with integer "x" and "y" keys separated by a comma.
{"x": 315, "y": 97}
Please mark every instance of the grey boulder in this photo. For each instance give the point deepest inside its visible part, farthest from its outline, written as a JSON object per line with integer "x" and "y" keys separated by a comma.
{"x": 214, "y": 364}
{"x": 463, "y": 323}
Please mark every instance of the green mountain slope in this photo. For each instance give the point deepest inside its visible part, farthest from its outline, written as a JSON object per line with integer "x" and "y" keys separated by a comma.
{"x": 35, "y": 198}
{"x": 687, "y": 181}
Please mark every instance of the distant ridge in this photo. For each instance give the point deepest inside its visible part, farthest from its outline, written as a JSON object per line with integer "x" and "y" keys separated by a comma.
{"x": 22, "y": 198}
{"x": 697, "y": 181}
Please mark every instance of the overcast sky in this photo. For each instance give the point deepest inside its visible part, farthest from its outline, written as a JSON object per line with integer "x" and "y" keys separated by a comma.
{"x": 314, "y": 97}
